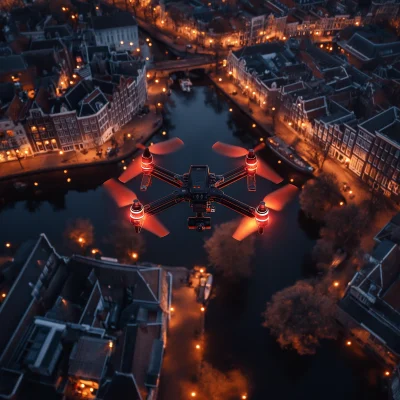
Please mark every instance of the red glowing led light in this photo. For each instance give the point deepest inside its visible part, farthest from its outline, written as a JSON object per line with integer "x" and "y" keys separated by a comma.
{"x": 147, "y": 161}
{"x": 136, "y": 213}
{"x": 261, "y": 214}
{"x": 251, "y": 162}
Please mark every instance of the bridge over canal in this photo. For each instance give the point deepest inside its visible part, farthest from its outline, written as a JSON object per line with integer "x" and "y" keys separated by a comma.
{"x": 163, "y": 68}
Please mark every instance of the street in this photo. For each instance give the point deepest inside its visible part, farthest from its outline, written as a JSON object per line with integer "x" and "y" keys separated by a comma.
{"x": 182, "y": 358}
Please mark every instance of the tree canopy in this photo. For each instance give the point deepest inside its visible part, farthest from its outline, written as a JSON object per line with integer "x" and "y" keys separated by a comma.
{"x": 216, "y": 385}
{"x": 320, "y": 195}
{"x": 227, "y": 255}
{"x": 300, "y": 316}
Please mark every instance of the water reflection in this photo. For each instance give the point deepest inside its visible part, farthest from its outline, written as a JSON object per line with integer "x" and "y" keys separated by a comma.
{"x": 233, "y": 321}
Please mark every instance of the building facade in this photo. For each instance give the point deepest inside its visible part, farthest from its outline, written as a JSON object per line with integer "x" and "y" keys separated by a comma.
{"x": 118, "y": 31}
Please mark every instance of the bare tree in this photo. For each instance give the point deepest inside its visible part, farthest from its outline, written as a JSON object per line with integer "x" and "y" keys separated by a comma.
{"x": 127, "y": 245}
{"x": 8, "y": 5}
{"x": 345, "y": 226}
{"x": 323, "y": 253}
{"x": 320, "y": 195}
{"x": 319, "y": 152}
{"x": 228, "y": 256}
{"x": 216, "y": 385}
{"x": 79, "y": 234}
{"x": 300, "y": 316}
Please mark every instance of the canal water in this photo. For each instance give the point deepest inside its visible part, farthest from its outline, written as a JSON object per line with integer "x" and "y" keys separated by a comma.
{"x": 235, "y": 337}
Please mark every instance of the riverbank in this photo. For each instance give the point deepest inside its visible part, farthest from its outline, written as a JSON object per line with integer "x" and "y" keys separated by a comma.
{"x": 360, "y": 191}
{"x": 136, "y": 131}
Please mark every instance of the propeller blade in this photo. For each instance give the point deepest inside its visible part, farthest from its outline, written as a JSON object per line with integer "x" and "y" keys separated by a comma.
{"x": 265, "y": 171}
{"x": 169, "y": 146}
{"x": 246, "y": 227}
{"x": 280, "y": 198}
{"x": 259, "y": 147}
{"x": 154, "y": 225}
{"x": 133, "y": 170}
{"x": 119, "y": 193}
{"x": 140, "y": 146}
{"x": 229, "y": 150}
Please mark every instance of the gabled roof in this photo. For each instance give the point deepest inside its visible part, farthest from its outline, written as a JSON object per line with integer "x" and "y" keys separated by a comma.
{"x": 114, "y": 21}
{"x": 89, "y": 357}
{"x": 381, "y": 120}
{"x": 54, "y": 44}
{"x": 58, "y": 31}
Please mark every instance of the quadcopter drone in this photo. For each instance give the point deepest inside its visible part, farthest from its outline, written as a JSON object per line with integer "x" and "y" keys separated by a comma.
{"x": 200, "y": 188}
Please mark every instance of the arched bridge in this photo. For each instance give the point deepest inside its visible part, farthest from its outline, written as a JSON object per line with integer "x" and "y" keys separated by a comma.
{"x": 186, "y": 64}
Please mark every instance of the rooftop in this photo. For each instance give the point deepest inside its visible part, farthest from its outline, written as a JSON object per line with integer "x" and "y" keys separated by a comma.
{"x": 114, "y": 21}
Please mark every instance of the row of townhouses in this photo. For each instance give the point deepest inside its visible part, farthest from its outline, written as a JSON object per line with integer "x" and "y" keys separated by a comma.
{"x": 68, "y": 89}
{"x": 343, "y": 97}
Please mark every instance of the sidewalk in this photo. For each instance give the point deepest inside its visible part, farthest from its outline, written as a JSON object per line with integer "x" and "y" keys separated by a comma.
{"x": 139, "y": 129}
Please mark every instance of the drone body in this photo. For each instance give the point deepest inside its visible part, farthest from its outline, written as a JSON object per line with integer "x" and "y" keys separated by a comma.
{"x": 200, "y": 188}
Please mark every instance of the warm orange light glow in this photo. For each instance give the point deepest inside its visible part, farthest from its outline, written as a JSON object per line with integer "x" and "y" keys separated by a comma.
{"x": 172, "y": 309}
{"x": 197, "y": 346}
{"x": 230, "y": 110}
{"x": 387, "y": 373}
{"x": 164, "y": 133}
{"x": 36, "y": 184}
{"x": 69, "y": 180}
{"x": 290, "y": 124}
{"x": 279, "y": 161}
{"x": 244, "y": 397}
{"x": 321, "y": 45}
{"x": 74, "y": 75}
{"x": 137, "y": 49}
{"x": 350, "y": 192}
{"x": 348, "y": 343}
{"x": 220, "y": 79}
{"x": 193, "y": 394}
{"x": 273, "y": 109}
{"x": 230, "y": 72}
{"x": 202, "y": 309}
{"x": 150, "y": 45}
{"x": 156, "y": 81}
{"x": 110, "y": 345}
{"x": 254, "y": 125}
{"x": 291, "y": 180}
{"x": 147, "y": 58}
{"x": 122, "y": 42}
{"x": 124, "y": 167}
{"x": 336, "y": 283}
{"x": 80, "y": 240}
{"x": 129, "y": 135}
{"x": 341, "y": 203}
{"x": 82, "y": 385}
{"x": 135, "y": 255}
{"x": 91, "y": 389}
{"x": 8, "y": 244}
{"x": 201, "y": 270}
{"x": 94, "y": 251}
{"x": 261, "y": 139}
{"x": 3, "y": 295}
{"x": 164, "y": 90}
{"x": 65, "y": 171}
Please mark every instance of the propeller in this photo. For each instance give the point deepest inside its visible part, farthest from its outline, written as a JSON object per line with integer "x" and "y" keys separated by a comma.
{"x": 263, "y": 169}
{"x": 279, "y": 199}
{"x": 124, "y": 197}
{"x": 276, "y": 200}
{"x": 135, "y": 167}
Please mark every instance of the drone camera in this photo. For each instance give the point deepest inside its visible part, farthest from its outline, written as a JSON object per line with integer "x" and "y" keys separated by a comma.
{"x": 199, "y": 223}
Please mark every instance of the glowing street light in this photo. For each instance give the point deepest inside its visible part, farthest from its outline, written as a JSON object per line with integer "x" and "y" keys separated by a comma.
{"x": 197, "y": 346}
{"x": 164, "y": 133}
{"x": 110, "y": 344}
{"x": 36, "y": 184}
{"x": 348, "y": 343}
{"x": 336, "y": 283}
{"x": 135, "y": 255}
{"x": 341, "y": 203}
{"x": 156, "y": 81}
{"x": 172, "y": 309}
{"x": 80, "y": 240}
{"x": 244, "y": 397}
{"x": 68, "y": 180}
{"x": 261, "y": 139}
{"x": 387, "y": 373}
{"x": 193, "y": 394}
{"x": 230, "y": 110}
{"x": 254, "y": 125}
{"x": 60, "y": 152}
{"x": 65, "y": 171}
{"x": 202, "y": 309}
{"x": 164, "y": 90}
{"x": 220, "y": 79}
{"x": 8, "y": 245}
{"x": 3, "y": 295}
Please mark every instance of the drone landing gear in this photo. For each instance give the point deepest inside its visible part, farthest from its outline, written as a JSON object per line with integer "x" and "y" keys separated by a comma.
{"x": 251, "y": 183}
{"x": 199, "y": 223}
{"x": 146, "y": 182}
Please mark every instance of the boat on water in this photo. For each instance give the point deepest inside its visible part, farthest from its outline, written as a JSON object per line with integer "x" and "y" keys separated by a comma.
{"x": 185, "y": 84}
{"x": 288, "y": 154}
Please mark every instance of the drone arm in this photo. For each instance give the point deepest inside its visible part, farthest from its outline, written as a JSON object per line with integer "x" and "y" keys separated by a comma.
{"x": 231, "y": 177}
{"x": 167, "y": 176}
{"x": 233, "y": 204}
{"x": 165, "y": 202}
